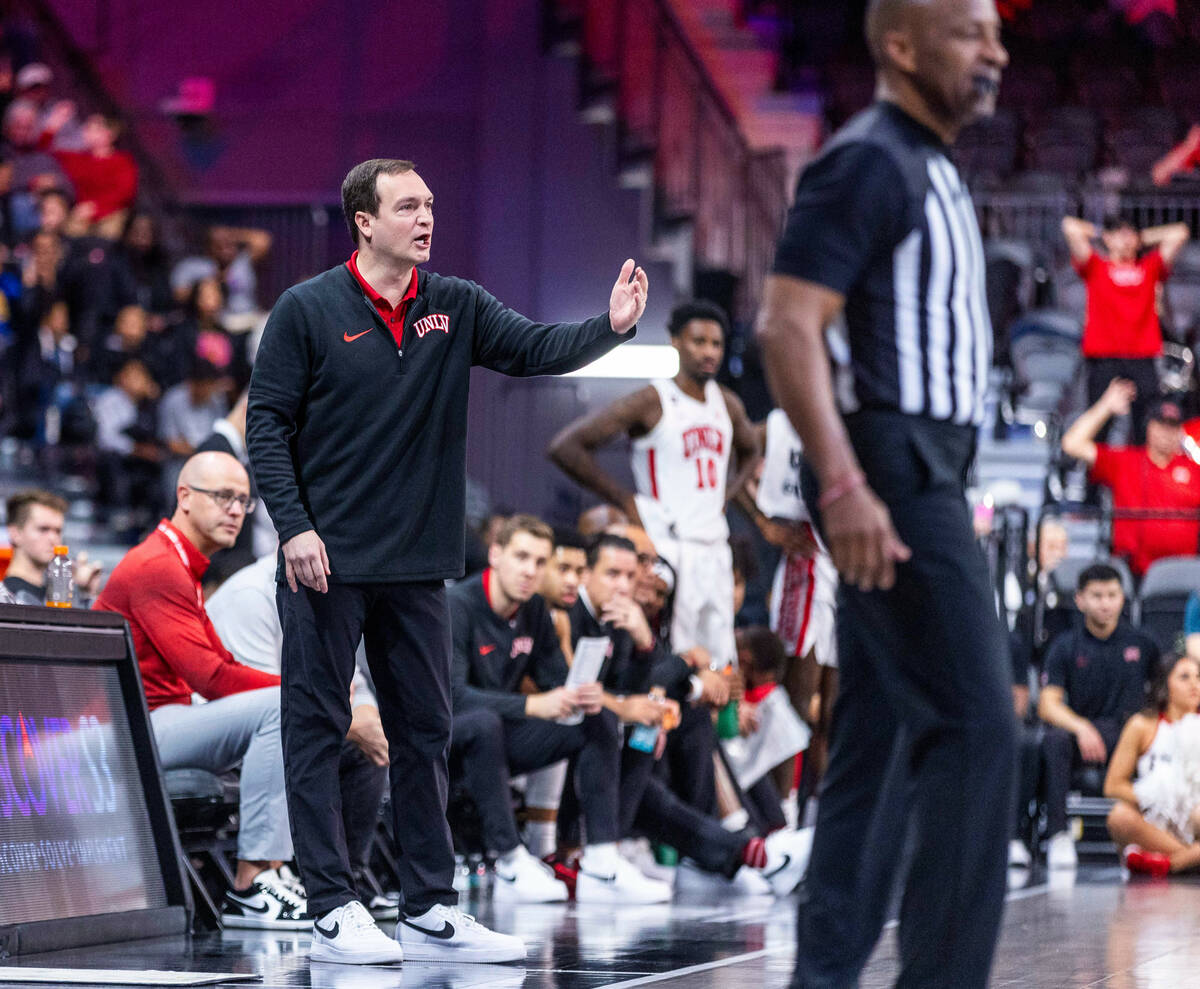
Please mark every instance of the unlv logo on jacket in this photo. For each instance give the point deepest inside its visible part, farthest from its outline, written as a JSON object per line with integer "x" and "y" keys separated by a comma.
{"x": 434, "y": 321}
{"x": 702, "y": 438}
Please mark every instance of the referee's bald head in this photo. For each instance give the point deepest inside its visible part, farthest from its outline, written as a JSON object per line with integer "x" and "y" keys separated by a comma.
{"x": 889, "y": 15}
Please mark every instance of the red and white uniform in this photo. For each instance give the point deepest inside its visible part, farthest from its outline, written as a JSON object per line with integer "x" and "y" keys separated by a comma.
{"x": 804, "y": 594}
{"x": 680, "y": 469}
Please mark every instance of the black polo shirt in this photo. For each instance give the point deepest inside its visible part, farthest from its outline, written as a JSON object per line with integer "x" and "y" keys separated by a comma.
{"x": 1102, "y": 678}
{"x": 492, "y": 653}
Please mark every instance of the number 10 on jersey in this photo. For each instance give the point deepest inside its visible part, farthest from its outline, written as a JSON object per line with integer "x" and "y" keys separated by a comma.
{"x": 706, "y": 473}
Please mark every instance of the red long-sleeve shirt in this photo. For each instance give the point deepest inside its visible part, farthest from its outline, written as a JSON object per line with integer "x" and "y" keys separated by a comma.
{"x": 108, "y": 183}
{"x": 156, "y": 587}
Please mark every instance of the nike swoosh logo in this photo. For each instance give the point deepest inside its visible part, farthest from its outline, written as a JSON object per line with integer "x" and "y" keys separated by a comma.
{"x": 350, "y": 339}
{"x": 445, "y": 934}
{"x": 331, "y": 933}
{"x": 787, "y": 860}
{"x": 484, "y": 650}
{"x": 601, "y": 879}
{"x": 250, "y": 906}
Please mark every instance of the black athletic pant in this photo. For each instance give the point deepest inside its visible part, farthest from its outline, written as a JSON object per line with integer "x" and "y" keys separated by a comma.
{"x": 1029, "y": 774}
{"x": 363, "y": 785}
{"x": 490, "y": 749}
{"x": 1142, "y": 371}
{"x": 1060, "y": 749}
{"x": 923, "y": 730}
{"x": 649, "y": 807}
{"x": 689, "y": 757}
{"x": 406, "y": 627}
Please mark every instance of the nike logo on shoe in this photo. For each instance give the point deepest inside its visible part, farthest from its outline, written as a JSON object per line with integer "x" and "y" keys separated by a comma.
{"x": 445, "y": 934}
{"x": 350, "y": 339}
{"x": 250, "y": 906}
{"x": 787, "y": 860}
{"x": 331, "y": 933}
{"x": 600, "y": 879}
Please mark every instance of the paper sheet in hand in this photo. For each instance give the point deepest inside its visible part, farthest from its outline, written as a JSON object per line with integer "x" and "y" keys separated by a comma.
{"x": 590, "y": 653}
{"x": 781, "y": 734}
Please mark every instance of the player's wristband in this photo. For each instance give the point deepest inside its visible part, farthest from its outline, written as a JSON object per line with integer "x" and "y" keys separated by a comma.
{"x": 848, "y": 482}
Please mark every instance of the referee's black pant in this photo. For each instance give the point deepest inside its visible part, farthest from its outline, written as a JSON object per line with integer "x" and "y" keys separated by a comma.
{"x": 406, "y": 627}
{"x": 923, "y": 733}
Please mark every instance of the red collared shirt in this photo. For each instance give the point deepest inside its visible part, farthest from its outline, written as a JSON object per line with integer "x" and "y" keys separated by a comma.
{"x": 156, "y": 587}
{"x": 393, "y": 317}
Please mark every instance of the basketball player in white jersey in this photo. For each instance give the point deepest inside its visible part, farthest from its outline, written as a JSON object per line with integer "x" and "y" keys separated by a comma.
{"x": 683, "y": 431}
{"x": 804, "y": 592}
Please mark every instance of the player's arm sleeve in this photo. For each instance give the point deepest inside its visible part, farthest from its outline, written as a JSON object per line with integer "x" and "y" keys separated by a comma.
{"x": 167, "y": 611}
{"x": 508, "y": 342}
{"x": 278, "y": 386}
{"x": 465, "y": 695}
{"x": 850, "y": 204}
{"x": 673, "y": 674}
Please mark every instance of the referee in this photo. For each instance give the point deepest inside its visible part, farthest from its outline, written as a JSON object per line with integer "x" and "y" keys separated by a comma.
{"x": 884, "y": 232}
{"x": 357, "y": 433}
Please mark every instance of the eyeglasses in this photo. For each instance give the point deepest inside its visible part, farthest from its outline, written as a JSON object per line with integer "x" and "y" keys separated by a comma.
{"x": 225, "y": 499}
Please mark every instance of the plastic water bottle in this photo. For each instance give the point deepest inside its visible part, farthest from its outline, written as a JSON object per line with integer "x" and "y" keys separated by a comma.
{"x": 60, "y": 580}
{"x": 727, "y": 717}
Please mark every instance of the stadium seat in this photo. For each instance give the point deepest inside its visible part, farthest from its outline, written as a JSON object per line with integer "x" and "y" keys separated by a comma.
{"x": 1163, "y": 597}
{"x": 1044, "y": 347}
{"x": 204, "y": 805}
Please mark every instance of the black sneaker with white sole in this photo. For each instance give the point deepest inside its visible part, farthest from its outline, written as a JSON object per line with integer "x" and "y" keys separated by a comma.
{"x": 269, "y": 904}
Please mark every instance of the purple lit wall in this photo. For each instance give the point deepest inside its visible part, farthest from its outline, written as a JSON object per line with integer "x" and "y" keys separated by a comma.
{"x": 527, "y": 200}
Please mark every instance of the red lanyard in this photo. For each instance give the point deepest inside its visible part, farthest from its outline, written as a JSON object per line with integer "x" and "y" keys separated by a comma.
{"x": 183, "y": 558}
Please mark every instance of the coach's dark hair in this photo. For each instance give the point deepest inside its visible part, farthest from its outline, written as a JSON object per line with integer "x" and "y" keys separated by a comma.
{"x": 360, "y": 191}
{"x": 1098, "y": 573}
{"x": 567, "y": 538}
{"x": 685, "y": 312}
{"x": 606, "y": 539}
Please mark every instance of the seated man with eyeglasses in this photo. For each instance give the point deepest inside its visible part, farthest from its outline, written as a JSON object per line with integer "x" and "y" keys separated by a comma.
{"x": 156, "y": 587}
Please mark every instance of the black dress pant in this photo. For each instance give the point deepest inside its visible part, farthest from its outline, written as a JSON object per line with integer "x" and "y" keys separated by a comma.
{"x": 1142, "y": 371}
{"x": 489, "y": 749}
{"x": 1029, "y": 774}
{"x": 922, "y": 739}
{"x": 689, "y": 757}
{"x": 363, "y": 785}
{"x": 406, "y": 628}
{"x": 1060, "y": 750}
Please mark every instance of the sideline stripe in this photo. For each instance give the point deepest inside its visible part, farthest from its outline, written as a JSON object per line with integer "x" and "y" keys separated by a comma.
{"x": 1016, "y": 894}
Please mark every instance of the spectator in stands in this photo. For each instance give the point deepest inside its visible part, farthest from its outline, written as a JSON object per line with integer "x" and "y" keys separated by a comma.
{"x": 1180, "y": 161}
{"x": 146, "y": 259}
{"x": 54, "y": 214}
{"x": 35, "y": 526}
{"x": 1156, "y": 821}
{"x": 243, "y": 613}
{"x": 128, "y": 339}
{"x": 34, "y": 170}
{"x": 1095, "y": 679}
{"x": 46, "y": 361}
{"x": 131, "y": 458}
{"x": 40, "y": 275}
{"x": 34, "y": 83}
{"x": 105, "y": 178}
{"x": 156, "y": 587}
{"x": 96, "y": 283}
{"x": 503, "y": 632}
{"x": 1121, "y": 333}
{"x": 187, "y": 411}
{"x": 1157, "y": 479}
{"x": 203, "y": 332}
{"x": 232, "y": 256}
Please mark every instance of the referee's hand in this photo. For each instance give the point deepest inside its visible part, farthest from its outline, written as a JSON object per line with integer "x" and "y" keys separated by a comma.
{"x": 304, "y": 559}
{"x": 862, "y": 540}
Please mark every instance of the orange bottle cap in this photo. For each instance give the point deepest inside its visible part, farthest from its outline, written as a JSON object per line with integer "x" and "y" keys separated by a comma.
{"x": 60, "y": 551}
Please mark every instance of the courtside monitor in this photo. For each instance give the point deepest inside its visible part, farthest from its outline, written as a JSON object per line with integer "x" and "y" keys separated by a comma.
{"x": 88, "y": 851}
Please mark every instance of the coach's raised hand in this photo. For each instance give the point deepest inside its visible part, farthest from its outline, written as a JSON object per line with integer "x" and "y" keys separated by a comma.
{"x": 628, "y": 299}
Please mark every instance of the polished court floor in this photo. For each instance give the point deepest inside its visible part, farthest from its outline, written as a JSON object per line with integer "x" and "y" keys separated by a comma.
{"x": 1087, "y": 930}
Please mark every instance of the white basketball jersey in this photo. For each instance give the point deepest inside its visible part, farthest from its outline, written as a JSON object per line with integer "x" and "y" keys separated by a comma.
{"x": 682, "y": 464}
{"x": 779, "y": 495}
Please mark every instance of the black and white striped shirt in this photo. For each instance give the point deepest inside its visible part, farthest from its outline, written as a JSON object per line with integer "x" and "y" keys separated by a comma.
{"x": 882, "y": 217}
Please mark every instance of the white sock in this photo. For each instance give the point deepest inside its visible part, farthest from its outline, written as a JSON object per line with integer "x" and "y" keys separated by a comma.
{"x": 736, "y": 820}
{"x": 541, "y": 837}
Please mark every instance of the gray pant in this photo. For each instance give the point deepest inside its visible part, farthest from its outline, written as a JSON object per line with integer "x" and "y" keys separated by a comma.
{"x": 217, "y": 736}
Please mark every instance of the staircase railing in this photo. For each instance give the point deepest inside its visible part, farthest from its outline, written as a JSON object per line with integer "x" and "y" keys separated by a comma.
{"x": 669, "y": 112}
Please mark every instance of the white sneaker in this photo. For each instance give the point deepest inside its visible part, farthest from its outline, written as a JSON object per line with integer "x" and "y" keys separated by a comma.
{"x": 788, "y": 853}
{"x": 446, "y": 934}
{"x": 692, "y": 879}
{"x": 349, "y": 935}
{"x": 641, "y": 855}
{"x": 1060, "y": 852}
{"x": 611, "y": 879}
{"x": 1018, "y": 854}
{"x": 269, "y": 904}
{"x": 751, "y": 882}
{"x": 520, "y": 878}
